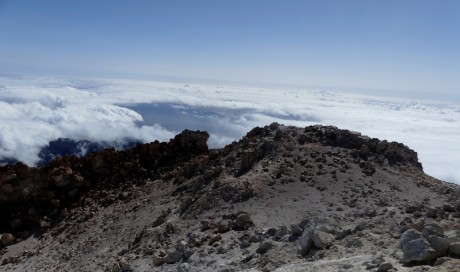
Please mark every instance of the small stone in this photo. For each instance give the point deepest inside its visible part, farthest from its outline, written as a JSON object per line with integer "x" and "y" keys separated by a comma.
{"x": 184, "y": 267}
{"x": 187, "y": 254}
{"x": 283, "y": 230}
{"x": 245, "y": 244}
{"x": 44, "y": 225}
{"x": 221, "y": 250}
{"x": 181, "y": 246}
{"x": 271, "y": 232}
{"x": 343, "y": 231}
{"x": 264, "y": 247}
{"x": 243, "y": 221}
{"x": 296, "y": 230}
{"x": 322, "y": 239}
{"x": 116, "y": 268}
{"x": 124, "y": 264}
{"x": 170, "y": 228}
{"x": 293, "y": 238}
{"x": 440, "y": 261}
{"x": 370, "y": 265}
{"x": 159, "y": 221}
{"x": 173, "y": 257}
{"x": 448, "y": 207}
{"x": 304, "y": 223}
{"x": 384, "y": 267}
{"x": 395, "y": 231}
{"x": 214, "y": 239}
{"x": 7, "y": 239}
{"x": 223, "y": 228}
{"x": 205, "y": 225}
{"x": 454, "y": 249}
{"x": 255, "y": 239}
{"x": 377, "y": 259}
{"x": 371, "y": 212}
{"x": 431, "y": 212}
{"x": 413, "y": 208}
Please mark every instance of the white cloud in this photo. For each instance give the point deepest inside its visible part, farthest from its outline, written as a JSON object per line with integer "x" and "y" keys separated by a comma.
{"x": 37, "y": 110}
{"x": 30, "y": 117}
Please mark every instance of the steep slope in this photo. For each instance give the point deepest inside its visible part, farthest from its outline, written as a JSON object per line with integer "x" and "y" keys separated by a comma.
{"x": 281, "y": 199}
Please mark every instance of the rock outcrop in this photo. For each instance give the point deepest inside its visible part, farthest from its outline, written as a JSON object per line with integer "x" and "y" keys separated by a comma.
{"x": 430, "y": 243}
{"x": 365, "y": 147}
{"x": 280, "y": 199}
{"x": 28, "y": 194}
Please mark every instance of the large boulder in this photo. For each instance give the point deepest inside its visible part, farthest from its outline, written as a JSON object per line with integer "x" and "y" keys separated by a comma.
{"x": 418, "y": 250}
{"x": 415, "y": 247}
{"x": 243, "y": 221}
{"x": 408, "y": 236}
{"x": 174, "y": 257}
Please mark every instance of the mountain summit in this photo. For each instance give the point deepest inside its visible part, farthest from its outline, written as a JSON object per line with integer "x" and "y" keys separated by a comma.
{"x": 282, "y": 198}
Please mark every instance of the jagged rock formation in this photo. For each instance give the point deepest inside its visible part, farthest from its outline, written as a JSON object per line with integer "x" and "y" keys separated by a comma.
{"x": 280, "y": 199}
{"x": 67, "y": 147}
{"x": 28, "y": 194}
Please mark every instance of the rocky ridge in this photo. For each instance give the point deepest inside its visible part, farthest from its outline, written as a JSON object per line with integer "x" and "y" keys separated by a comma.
{"x": 281, "y": 199}
{"x": 67, "y": 147}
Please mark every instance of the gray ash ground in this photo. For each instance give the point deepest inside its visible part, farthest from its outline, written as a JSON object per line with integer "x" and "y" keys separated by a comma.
{"x": 280, "y": 199}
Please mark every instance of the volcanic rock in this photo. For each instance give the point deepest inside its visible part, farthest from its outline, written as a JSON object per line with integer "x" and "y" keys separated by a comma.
{"x": 282, "y": 198}
{"x": 264, "y": 247}
{"x": 243, "y": 221}
{"x": 418, "y": 250}
{"x": 454, "y": 249}
{"x": 7, "y": 239}
{"x": 322, "y": 239}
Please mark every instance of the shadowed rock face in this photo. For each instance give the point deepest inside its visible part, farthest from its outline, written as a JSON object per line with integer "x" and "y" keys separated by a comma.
{"x": 294, "y": 199}
{"x": 59, "y": 184}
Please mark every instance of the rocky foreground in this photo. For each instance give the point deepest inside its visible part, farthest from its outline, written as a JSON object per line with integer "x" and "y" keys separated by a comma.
{"x": 281, "y": 199}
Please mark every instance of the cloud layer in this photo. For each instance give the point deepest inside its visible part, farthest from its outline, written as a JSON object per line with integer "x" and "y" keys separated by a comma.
{"x": 34, "y": 111}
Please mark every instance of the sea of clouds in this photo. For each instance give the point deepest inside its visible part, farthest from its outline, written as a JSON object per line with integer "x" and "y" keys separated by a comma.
{"x": 36, "y": 110}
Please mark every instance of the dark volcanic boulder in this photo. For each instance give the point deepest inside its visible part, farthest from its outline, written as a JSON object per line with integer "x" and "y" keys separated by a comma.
{"x": 418, "y": 250}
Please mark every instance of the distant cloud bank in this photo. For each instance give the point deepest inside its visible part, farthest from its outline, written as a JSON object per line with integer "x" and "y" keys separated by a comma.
{"x": 36, "y": 110}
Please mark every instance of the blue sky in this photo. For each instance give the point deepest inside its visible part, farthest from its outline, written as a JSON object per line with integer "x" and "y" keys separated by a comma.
{"x": 396, "y": 45}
